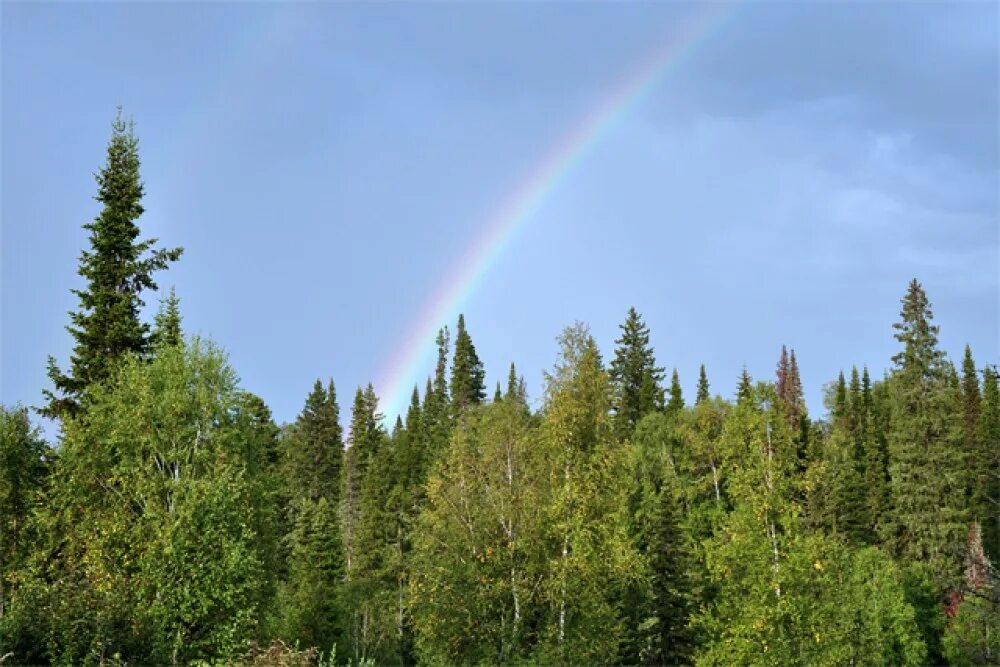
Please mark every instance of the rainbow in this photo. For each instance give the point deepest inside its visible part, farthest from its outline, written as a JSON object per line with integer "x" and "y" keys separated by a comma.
{"x": 414, "y": 352}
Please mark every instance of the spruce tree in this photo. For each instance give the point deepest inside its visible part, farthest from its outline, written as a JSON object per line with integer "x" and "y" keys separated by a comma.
{"x": 468, "y": 379}
{"x": 989, "y": 438}
{"x": 703, "y": 390}
{"x": 313, "y": 457}
{"x": 117, "y": 269}
{"x": 167, "y": 324}
{"x": 875, "y": 475}
{"x": 516, "y": 388}
{"x": 928, "y": 463}
{"x": 635, "y": 376}
{"x": 676, "y": 402}
{"x": 978, "y": 456}
{"x": 744, "y": 392}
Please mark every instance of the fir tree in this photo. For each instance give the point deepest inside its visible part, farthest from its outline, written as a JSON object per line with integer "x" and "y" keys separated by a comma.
{"x": 744, "y": 392}
{"x": 676, "y": 402}
{"x": 979, "y": 457}
{"x": 468, "y": 379}
{"x": 314, "y": 453}
{"x": 703, "y": 390}
{"x": 875, "y": 475}
{"x": 167, "y": 324}
{"x": 928, "y": 463}
{"x": 117, "y": 269}
{"x": 635, "y": 376}
{"x": 989, "y": 438}
{"x": 516, "y": 388}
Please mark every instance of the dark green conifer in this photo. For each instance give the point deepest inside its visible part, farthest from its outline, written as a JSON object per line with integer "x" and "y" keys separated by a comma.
{"x": 703, "y": 389}
{"x": 117, "y": 269}
{"x": 167, "y": 324}
{"x": 928, "y": 463}
{"x": 635, "y": 375}
{"x": 676, "y": 402}
{"x": 468, "y": 379}
{"x": 744, "y": 393}
{"x": 989, "y": 438}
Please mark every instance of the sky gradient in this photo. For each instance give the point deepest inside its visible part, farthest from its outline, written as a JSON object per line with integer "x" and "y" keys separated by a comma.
{"x": 326, "y": 166}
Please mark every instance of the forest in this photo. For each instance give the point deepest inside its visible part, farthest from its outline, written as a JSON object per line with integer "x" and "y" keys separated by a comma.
{"x": 617, "y": 522}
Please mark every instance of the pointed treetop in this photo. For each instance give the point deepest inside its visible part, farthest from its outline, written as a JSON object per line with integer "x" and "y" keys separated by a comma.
{"x": 117, "y": 268}
{"x": 634, "y": 374}
{"x": 516, "y": 388}
{"x": 703, "y": 388}
{"x": 784, "y": 371}
{"x": 745, "y": 391}
{"x": 167, "y": 323}
{"x": 497, "y": 395}
{"x": 468, "y": 378}
{"x": 920, "y": 354}
{"x": 676, "y": 402}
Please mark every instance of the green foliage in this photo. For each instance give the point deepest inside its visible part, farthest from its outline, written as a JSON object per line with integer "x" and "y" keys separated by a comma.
{"x": 927, "y": 459}
{"x": 117, "y": 270}
{"x": 703, "y": 393}
{"x": 635, "y": 375}
{"x": 468, "y": 379}
{"x": 167, "y": 324}
{"x": 24, "y": 463}
{"x": 147, "y": 544}
{"x": 989, "y": 438}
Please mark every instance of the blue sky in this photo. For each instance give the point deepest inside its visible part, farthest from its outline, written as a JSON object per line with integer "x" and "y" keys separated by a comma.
{"x": 325, "y": 164}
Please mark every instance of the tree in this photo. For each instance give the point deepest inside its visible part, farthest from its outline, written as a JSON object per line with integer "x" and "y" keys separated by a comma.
{"x": 634, "y": 374}
{"x": 703, "y": 394}
{"x": 971, "y": 637}
{"x": 989, "y": 439}
{"x": 786, "y": 596}
{"x": 117, "y": 268}
{"x": 980, "y": 455}
{"x": 24, "y": 463}
{"x": 468, "y": 379}
{"x": 928, "y": 463}
{"x": 479, "y": 551}
{"x": 744, "y": 392}
{"x": 676, "y": 402}
{"x": 309, "y": 602}
{"x": 167, "y": 324}
{"x": 313, "y": 451}
{"x": 148, "y": 550}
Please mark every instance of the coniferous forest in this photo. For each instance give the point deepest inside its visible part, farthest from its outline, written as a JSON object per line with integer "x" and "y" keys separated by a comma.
{"x": 617, "y": 522}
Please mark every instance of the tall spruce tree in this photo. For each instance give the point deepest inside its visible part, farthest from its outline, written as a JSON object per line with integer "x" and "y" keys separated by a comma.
{"x": 928, "y": 463}
{"x": 117, "y": 269}
{"x": 468, "y": 379}
{"x": 634, "y": 374}
{"x": 703, "y": 390}
{"x": 979, "y": 456}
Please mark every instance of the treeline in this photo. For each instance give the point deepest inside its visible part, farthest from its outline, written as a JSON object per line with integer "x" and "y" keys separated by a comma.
{"x": 618, "y": 523}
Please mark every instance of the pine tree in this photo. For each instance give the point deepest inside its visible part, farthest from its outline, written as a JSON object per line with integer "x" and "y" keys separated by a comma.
{"x": 635, "y": 376}
{"x": 928, "y": 464}
{"x": 781, "y": 386}
{"x": 117, "y": 270}
{"x": 676, "y": 402}
{"x": 703, "y": 390}
{"x": 468, "y": 379}
{"x": 167, "y": 324}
